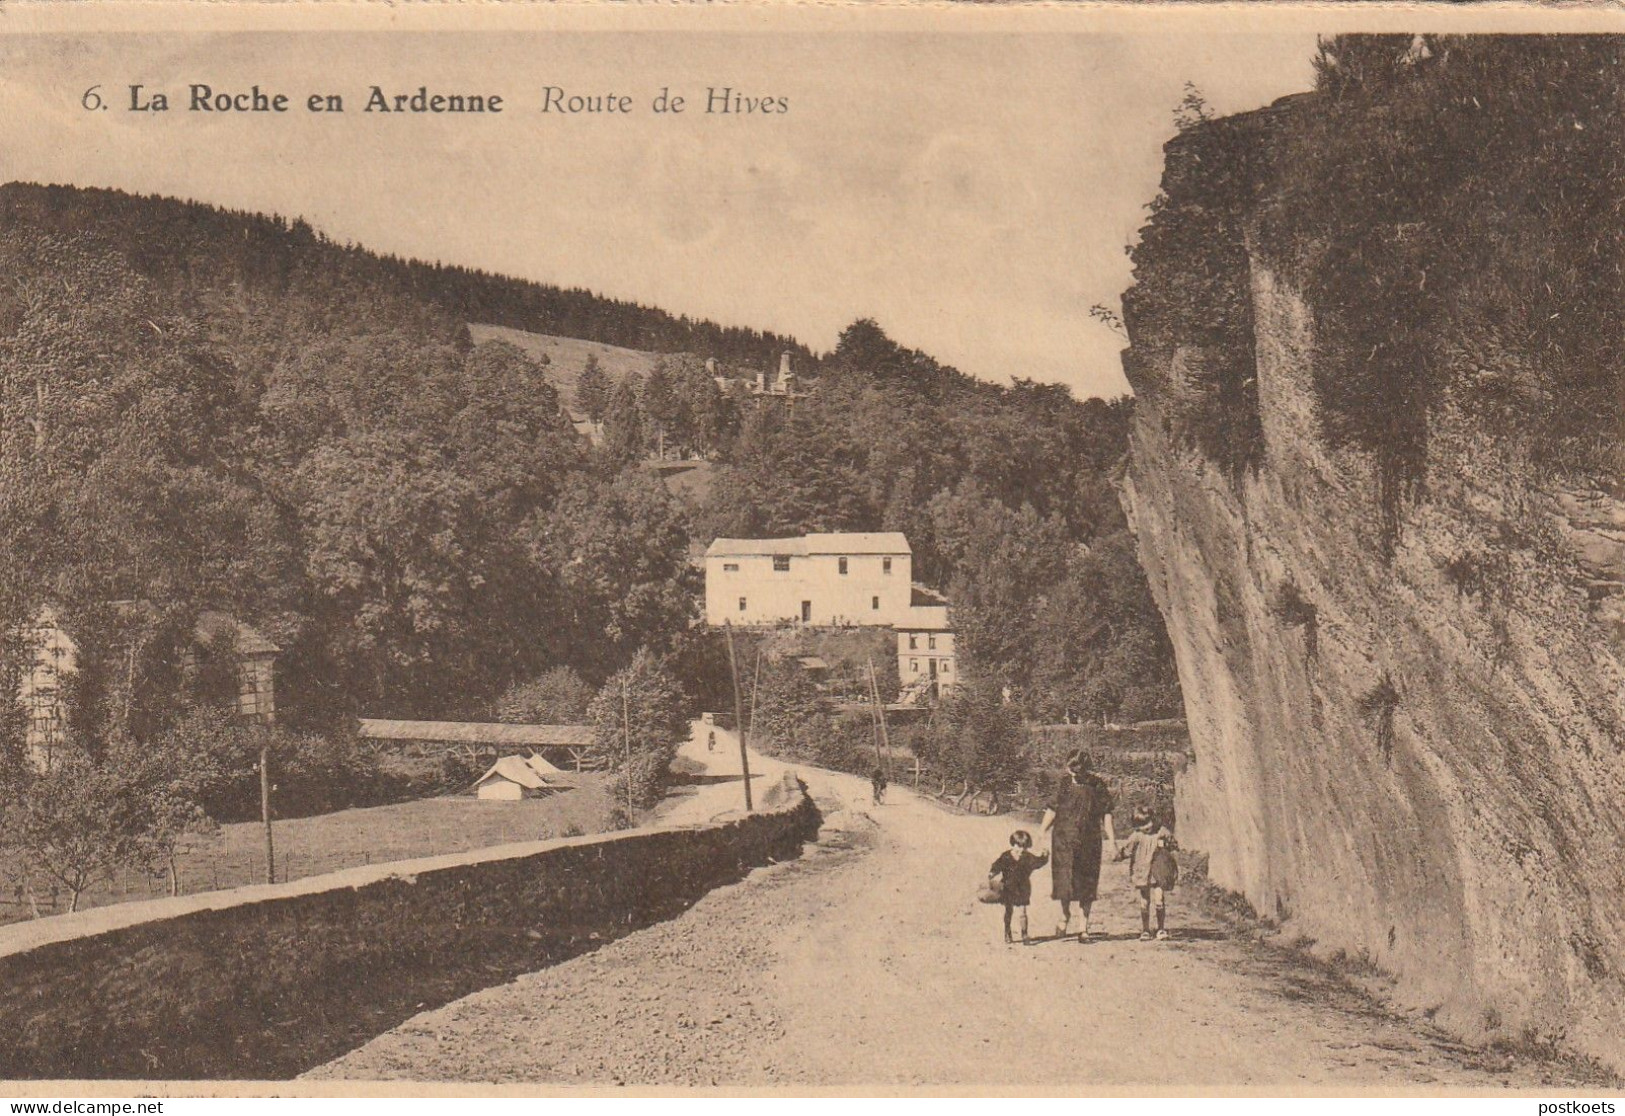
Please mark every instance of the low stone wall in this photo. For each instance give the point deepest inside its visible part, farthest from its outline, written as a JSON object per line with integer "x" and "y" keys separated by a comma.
{"x": 265, "y": 982}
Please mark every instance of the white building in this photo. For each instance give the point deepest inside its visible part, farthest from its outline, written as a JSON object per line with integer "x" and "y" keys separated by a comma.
{"x": 828, "y": 580}
{"x": 925, "y": 652}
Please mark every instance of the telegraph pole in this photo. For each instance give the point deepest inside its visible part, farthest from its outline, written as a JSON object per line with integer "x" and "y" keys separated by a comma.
{"x": 880, "y": 719}
{"x": 739, "y": 716}
{"x": 265, "y": 805}
{"x": 626, "y": 730}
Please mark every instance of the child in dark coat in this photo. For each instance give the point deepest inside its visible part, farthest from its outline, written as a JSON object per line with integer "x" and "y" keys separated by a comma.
{"x": 1015, "y": 868}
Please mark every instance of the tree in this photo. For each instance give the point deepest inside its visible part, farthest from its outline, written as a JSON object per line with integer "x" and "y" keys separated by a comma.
{"x": 787, "y": 718}
{"x": 661, "y": 410}
{"x": 558, "y": 697}
{"x": 592, "y": 389}
{"x": 1003, "y": 562}
{"x": 981, "y": 743}
{"x": 392, "y": 537}
{"x": 618, "y": 550}
{"x": 1103, "y": 651}
{"x": 625, "y": 434}
{"x": 638, "y": 721}
{"x": 81, "y": 819}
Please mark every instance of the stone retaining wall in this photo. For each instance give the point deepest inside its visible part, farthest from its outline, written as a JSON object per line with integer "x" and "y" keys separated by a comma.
{"x": 265, "y": 982}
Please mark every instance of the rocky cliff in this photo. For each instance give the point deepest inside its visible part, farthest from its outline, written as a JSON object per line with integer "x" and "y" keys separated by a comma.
{"x": 1406, "y": 714}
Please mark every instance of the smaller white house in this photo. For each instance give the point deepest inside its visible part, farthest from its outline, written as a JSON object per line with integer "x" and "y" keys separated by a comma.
{"x": 512, "y": 778}
{"x": 925, "y": 652}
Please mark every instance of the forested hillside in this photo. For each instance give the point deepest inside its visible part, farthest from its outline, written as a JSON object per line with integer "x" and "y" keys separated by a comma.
{"x": 202, "y": 409}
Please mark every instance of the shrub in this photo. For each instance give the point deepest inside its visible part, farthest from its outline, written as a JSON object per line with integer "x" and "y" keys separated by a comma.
{"x": 638, "y": 720}
{"x": 559, "y": 697}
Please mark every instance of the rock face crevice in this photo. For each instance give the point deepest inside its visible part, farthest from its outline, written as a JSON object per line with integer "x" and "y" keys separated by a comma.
{"x": 1409, "y": 752}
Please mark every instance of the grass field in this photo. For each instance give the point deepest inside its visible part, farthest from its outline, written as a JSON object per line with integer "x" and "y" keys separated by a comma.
{"x": 568, "y": 355}
{"x": 328, "y": 842}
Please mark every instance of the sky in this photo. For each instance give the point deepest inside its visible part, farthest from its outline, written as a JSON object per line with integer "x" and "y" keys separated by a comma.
{"x": 970, "y": 191}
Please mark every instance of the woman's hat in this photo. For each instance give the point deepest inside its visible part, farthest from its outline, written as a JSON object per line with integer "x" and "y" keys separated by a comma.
{"x": 1141, "y": 816}
{"x": 1078, "y": 762}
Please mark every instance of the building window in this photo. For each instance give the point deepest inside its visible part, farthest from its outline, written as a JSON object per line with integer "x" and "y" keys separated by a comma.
{"x": 913, "y": 643}
{"x": 874, "y": 603}
{"x": 947, "y": 665}
{"x": 781, "y": 563}
{"x": 842, "y": 563}
{"x": 914, "y": 666}
{"x": 730, "y": 567}
{"x": 931, "y": 643}
{"x": 885, "y": 565}
{"x": 741, "y": 604}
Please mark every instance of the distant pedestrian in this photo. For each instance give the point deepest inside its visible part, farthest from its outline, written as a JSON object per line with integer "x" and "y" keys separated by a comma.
{"x": 877, "y": 780}
{"x": 1151, "y": 870}
{"x": 711, "y": 741}
{"x": 1015, "y": 868}
{"x": 1081, "y": 807}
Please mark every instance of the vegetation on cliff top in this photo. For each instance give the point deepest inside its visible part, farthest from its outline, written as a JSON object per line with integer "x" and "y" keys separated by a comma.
{"x": 1450, "y": 208}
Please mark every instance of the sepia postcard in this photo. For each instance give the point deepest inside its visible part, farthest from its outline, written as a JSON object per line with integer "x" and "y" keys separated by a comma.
{"x": 901, "y": 550}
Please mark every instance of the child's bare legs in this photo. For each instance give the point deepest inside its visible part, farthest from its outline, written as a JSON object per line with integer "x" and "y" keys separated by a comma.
{"x": 1083, "y": 931}
{"x": 1024, "y": 938}
{"x": 1008, "y": 910}
{"x": 1152, "y": 897}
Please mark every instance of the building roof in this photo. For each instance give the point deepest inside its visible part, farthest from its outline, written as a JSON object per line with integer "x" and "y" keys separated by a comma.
{"x": 213, "y": 626}
{"x": 925, "y": 618}
{"x": 835, "y": 542}
{"x": 478, "y": 732}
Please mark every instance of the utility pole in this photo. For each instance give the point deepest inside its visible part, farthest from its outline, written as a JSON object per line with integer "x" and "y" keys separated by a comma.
{"x": 880, "y": 720}
{"x": 874, "y": 722}
{"x": 265, "y": 806}
{"x": 880, "y": 709}
{"x": 739, "y": 716}
{"x": 755, "y": 688}
{"x": 626, "y": 733}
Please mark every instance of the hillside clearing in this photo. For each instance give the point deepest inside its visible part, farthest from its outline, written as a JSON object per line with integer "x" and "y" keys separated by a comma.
{"x": 567, "y": 356}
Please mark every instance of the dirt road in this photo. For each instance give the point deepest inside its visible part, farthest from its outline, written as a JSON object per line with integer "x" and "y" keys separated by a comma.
{"x": 867, "y": 963}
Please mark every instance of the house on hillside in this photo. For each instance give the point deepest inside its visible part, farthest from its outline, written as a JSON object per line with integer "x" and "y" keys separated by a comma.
{"x": 512, "y": 778}
{"x": 40, "y": 691}
{"x": 42, "y": 688}
{"x": 829, "y": 580}
{"x": 255, "y": 657}
{"x": 782, "y": 384}
{"x": 837, "y": 580}
{"x": 925, "y": 653}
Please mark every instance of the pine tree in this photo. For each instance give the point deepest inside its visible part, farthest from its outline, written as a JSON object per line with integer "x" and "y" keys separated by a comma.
{"x": 593, "y": 389}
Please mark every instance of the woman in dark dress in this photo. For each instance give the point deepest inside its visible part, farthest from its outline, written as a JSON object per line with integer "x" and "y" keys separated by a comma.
{"x": 1082, "y": 806}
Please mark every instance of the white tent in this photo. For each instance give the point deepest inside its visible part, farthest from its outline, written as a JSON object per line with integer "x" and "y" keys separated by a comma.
{"x": 511, "y": 778}
{"x": 546, "y": 770}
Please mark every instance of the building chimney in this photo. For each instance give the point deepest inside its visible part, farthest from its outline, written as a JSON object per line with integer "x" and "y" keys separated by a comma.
{"x": 711, "y": 365}
{"x": 761, "y": 380}
{"x": 784, "y": 368}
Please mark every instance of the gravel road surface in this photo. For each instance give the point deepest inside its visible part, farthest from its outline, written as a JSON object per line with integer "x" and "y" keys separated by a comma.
{"x": 866, "y": 963}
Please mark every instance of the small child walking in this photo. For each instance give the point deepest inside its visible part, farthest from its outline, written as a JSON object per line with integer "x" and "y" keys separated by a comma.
{"x": 1015, "y": 868}
{"x": 1148, "y": 873}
